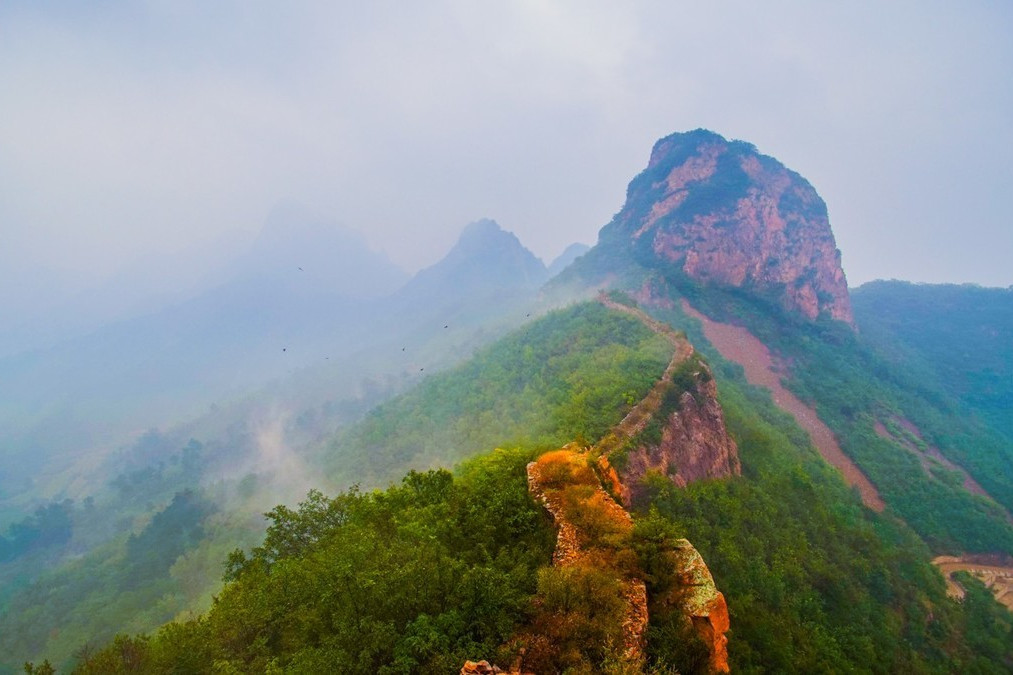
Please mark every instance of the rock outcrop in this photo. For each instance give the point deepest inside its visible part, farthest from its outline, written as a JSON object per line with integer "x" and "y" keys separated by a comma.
{"x": 723, "y": 214}
{"x": 694, "y": 444}
{"x": 695, "y": 596}
{"x": 479, "y": 668}
{"x": 485, "y": 668}
{"x": 692, "y": 592}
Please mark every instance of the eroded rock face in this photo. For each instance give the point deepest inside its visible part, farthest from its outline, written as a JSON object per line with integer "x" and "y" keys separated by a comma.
{"x": 726, "y": 215}
{"x": 695, "y": 444}
{"x": 697, "y": 597}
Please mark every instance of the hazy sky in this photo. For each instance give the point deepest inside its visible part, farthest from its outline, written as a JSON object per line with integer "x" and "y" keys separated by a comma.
{"x": 133, "y": 129}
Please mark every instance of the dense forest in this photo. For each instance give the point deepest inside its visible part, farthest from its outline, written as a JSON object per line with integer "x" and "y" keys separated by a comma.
{"x": 416, "y": 578}
{"x": 961, "y": 335}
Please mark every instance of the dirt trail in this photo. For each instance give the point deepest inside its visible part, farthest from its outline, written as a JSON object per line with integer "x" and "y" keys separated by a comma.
{"x": 637, "y": 418}
{"x": 997, "y": 578}
{"x": 739, "y": 345}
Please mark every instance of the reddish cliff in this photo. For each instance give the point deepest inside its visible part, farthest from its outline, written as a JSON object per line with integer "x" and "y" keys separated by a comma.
{"x": 723, "y": 214}
{"x": 694, "y": 443}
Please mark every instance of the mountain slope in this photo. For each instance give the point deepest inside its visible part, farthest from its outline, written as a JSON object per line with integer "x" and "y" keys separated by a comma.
{"x": 961, "y": 335}
{"x": 253, "y": 450}
{"x": 563, "y": 260}
{"x": 813, "y": 580}
{"x": 485, "y": 258}
{"x": 856, "y": 390}
{"x": 266, "y": 319}
{"x": 565, "y": 376}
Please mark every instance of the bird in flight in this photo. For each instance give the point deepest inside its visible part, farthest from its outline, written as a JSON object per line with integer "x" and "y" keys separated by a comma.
{"x": 300, "y": 269}
{"x": 284, "y": 349}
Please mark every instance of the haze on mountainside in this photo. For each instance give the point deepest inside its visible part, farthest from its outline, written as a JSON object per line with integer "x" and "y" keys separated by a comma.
{"x": 709, "y": 226}
{"x": 234, "y": 271}
{"x": 144, "y": 145}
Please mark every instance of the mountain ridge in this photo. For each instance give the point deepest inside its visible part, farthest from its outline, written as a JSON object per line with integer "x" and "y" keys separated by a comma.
{"x": 440, "y": 566}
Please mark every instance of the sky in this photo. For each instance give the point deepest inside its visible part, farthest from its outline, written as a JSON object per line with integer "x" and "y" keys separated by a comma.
{"x": 158, "y": 134}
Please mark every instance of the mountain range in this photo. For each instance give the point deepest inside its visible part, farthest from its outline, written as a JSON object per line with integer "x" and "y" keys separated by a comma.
{"x": 688, "y": 448}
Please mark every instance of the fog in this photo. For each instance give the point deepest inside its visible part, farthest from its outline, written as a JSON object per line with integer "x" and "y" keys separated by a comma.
{"x": 143, "y": 145}
{"x": 232, "y": 232}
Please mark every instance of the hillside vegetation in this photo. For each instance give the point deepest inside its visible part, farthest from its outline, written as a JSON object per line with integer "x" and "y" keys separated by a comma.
{"x": 567, "y": 376}
{"x": 960, "y": 336}
{"x": 416, "y": 578}
{"x": 814, "y": 581}
{"x": 855, "y": 383}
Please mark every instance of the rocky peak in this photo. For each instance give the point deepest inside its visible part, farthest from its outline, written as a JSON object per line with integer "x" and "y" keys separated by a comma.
{"x": 485, "y": 257}
{"x": 721, "y": 213}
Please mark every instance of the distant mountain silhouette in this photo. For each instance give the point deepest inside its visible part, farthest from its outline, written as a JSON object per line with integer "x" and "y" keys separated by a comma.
{"x": 328, "y": 256}
{"x": 174, "y": 361}
{"x": 571, "y": 253}
{"x": 485, "y": 259}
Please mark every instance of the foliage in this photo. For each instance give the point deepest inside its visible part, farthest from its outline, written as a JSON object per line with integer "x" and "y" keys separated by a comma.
{"x": 88, "y": 598}
{"x": 814, "y": 582}
{"x": 50, "y": 525}
{"x": 441, "y": 568}
{"x": 578, "y": 622}
{"x": 570, "y": 375}
{"x": 853, "y": 383}
{"x": 416, "y": 578}
{"x": 961, "y": 336}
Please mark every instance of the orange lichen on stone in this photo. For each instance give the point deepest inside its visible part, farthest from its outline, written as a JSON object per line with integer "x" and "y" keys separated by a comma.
{"x": 697, "y": 597}
{"x": 588, "y": 521}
